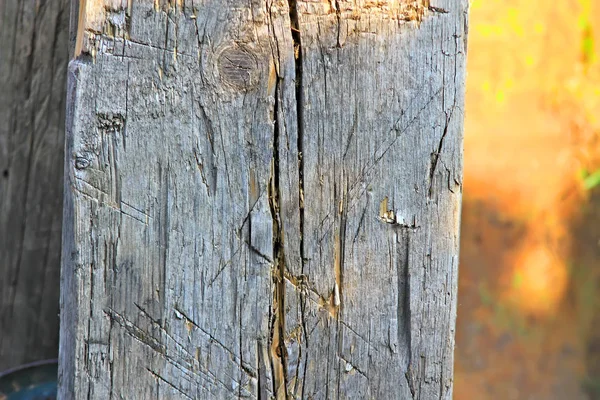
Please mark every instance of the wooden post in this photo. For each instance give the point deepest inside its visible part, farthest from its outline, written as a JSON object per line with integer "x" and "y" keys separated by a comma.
{"x": 263, "y": 199}
{"x": 33, "y": 72}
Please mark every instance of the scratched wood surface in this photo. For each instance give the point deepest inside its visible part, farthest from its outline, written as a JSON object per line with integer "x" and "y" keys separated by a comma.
{"x": 33, "y": 72}
{"x": 262, "y": 200}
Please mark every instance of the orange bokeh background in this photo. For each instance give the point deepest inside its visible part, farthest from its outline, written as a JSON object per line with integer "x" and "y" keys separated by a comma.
{"x": 529, "y": 287}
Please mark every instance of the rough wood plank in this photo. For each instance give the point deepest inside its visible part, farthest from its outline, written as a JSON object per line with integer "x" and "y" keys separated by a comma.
{"x": 262, "y": 199}
{"x": 381, "y": 142}
{"x": 33, "y": 65}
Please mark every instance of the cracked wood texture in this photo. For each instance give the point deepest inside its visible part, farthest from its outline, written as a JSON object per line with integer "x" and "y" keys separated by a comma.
{"x": 262, "y": 199}
{"x": 33, "y": 73}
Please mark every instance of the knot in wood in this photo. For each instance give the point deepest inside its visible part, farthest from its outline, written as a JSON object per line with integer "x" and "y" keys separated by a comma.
{"x": 82, "y": 162}
{"x": 238, "y": 67}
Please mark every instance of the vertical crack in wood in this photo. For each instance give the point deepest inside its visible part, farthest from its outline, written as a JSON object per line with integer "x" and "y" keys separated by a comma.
{"x": 338, "y": 15}
{"x": 278, "y": 353}
{"x": 436, "y": 155}
{"x": 297, "y": 41}
{"x": 404, "y": 312}
{"x": 339, "y": 255}
{"x": 262, "y": 379}
{"x": 260, "y": 371}
{"x": 164, "y": 230}
{"x": 299, "y": 93}
{"x": 337, "y": 296}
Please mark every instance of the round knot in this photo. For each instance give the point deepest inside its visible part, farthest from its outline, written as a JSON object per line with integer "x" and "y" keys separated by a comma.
{"x": 238, "y": 67}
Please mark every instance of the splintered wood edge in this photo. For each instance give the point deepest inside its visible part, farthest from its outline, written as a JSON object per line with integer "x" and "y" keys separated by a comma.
{"x": 80, "y": 27}
{"x": 92, "y": 16}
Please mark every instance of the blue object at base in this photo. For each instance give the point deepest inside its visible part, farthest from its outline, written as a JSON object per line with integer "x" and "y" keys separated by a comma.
{"x": 36, "y": 381}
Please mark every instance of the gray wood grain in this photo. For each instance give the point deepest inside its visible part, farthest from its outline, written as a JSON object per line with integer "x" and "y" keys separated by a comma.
{"x": 33, "y": 72}
{"x": 263, "y": 200}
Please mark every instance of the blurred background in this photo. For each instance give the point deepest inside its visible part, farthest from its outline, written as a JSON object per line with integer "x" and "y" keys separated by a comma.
{"x": 529, "y": 286}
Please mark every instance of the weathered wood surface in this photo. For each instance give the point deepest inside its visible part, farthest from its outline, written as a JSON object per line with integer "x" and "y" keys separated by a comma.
{"x": 263, "y": 200}
{"x": 33, "y": 72}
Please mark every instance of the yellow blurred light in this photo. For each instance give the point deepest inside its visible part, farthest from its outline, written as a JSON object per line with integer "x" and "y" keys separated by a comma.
{"x": 539, "y": 281}
{"x": 486, "y": 86}
{"x": 500, "y": 96}
{"x": 538, "y": 27}
{"x": 529, "y": 60}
